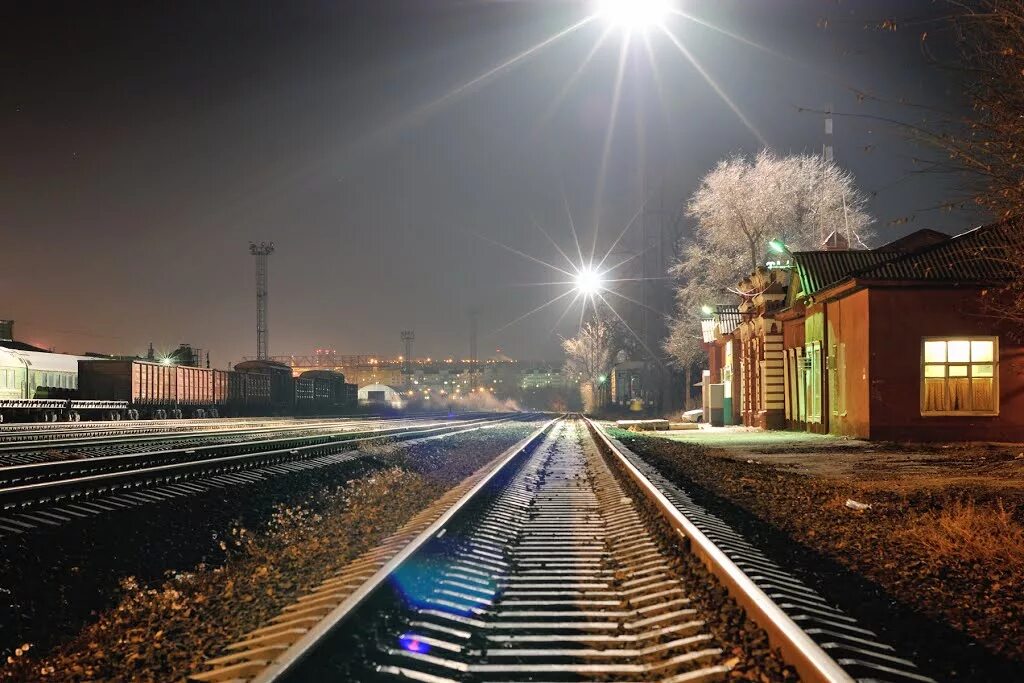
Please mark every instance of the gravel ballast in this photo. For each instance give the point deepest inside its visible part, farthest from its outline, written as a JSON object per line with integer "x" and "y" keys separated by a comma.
{"x": 163, "y": 628}
{"x": 959, "y": 613}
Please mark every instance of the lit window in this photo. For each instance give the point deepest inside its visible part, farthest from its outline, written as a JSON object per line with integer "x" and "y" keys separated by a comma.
{"x": 960, "y": 376}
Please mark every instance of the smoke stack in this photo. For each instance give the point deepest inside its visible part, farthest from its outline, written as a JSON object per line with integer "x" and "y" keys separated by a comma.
{"x": 6, "y": 330}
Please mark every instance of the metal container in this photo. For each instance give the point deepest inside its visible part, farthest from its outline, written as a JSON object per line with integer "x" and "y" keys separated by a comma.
{"x": 304, "y": 392}
{"x": 195, "y": 386}
{"x": 220, "y": 387}
{"x": 137, "y": 382}
{"x": 257, "y": 389}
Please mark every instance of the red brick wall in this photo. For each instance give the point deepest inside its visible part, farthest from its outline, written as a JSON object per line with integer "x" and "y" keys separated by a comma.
{"x": 899, "y": 318}
{"x": 847, "y": 323}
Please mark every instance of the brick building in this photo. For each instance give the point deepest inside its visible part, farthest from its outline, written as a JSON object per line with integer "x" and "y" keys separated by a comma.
{"x": 891, "y": 343}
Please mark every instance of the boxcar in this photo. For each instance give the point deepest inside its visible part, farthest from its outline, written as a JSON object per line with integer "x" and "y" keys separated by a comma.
{"x": 281, "y": 384}
{"x": 152, "y": 389}
{"x": 331, "y": 393}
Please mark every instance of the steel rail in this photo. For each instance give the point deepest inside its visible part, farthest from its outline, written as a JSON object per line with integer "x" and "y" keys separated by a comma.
{"x": 302, "y": 647}
{"x": 17, "y": 433}
{"x": 232, "y": 430}
{"x": 52, "y": 469}
{"x": 810, "y": 660}
{"x": 60, "y": 441}
{"x": 27, "y": 495}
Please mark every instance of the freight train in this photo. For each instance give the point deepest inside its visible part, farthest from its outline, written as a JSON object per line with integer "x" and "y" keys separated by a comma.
{"x": 57, "y": 387}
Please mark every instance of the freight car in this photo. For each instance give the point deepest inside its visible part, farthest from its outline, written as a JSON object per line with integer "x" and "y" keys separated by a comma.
{"x": 315, "y": 392}
{"x": 331, "y": 391}
{"x": 53, "y": 386}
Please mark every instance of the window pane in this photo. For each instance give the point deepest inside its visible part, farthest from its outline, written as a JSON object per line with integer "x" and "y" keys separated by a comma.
{"x": 934, "y": 395}
{"x": 959, "y": 351}
{"x": 981, "y": 351}
{"x": 935, "y": 371}
{"x": 957, "y": 370}
{"x": 981, "y": 370}
{"x": 957, "y": 399}
{"x": 982, "y": 394}
{"x": 935, "y": 352}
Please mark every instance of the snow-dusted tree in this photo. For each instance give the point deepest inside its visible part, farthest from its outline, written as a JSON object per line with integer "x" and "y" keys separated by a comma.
{"x": 740, "y": 206}
{"x": 589, "y": 355}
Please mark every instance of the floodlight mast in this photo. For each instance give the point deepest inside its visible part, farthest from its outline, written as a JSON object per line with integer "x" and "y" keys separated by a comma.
{"x": 588, "y": 282}
{"x": 261, "y": 251}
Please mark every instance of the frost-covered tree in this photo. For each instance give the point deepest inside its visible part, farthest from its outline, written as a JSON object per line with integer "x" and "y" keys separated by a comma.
{"x": 589, "y": 355}
{"x": 740, "y": 206}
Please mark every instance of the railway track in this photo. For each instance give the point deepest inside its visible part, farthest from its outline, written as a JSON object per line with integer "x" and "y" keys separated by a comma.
{"x": 559, "y": 562}
{"x": 49, "y": 494}
{"x": 28, "y": 432}
{"x": 78, "y": 447}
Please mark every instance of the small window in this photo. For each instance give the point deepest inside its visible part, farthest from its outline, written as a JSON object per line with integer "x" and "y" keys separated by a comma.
{"x": 960, "y": 376}
{"x": 812, "y": 378}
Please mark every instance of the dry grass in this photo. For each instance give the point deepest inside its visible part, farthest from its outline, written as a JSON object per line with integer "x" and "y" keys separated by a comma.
{"x": 967, "y": 531}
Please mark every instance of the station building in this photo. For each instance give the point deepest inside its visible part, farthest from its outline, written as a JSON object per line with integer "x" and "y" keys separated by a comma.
{"x": 895, "y": 343}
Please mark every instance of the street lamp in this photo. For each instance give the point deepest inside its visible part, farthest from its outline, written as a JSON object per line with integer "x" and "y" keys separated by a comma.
{"x": 707, "y": 310}
{"x": 779, "y": 247}
{"x": 633, "y": 15}
{"x": 588, "y": 282}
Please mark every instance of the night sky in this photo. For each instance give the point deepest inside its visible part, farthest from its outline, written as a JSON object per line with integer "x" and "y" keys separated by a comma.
{"x": 142, "y": 145}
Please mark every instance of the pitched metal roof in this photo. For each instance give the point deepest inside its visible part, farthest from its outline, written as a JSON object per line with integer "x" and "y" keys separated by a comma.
{"x": 728, "y": 317}
{"x": 820, "y": 269}
{"x": 724, "y": 320}
{"x": 915, "y": 241}
{"x": 979, "y": 255}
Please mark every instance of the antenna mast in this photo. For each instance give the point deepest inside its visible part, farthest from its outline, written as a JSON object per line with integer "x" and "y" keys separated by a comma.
{"x": 261, "y": 251}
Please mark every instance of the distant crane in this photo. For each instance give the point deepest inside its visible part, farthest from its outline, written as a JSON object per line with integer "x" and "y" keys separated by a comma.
{"x": 261, "y": 251}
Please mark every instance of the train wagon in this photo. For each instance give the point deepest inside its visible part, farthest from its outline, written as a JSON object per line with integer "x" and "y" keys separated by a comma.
{"x": 151, "y": 389}
{"x": 281, "y": 383}
{"x": 331, "y": 393}
{"x": 220, "y": 386}
{"x": 35, "y": 385}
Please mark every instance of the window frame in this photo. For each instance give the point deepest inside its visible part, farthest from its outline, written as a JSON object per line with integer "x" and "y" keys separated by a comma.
{"x": 813, "y": 381}
{"x": 995, "y": 376}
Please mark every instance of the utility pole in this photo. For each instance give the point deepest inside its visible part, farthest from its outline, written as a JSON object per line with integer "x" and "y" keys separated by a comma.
{"x": 261, "y": 251}
{"x": 408, "y": 336}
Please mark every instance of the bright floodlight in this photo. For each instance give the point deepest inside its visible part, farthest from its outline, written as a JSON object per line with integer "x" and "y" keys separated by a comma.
{"x": 633, "y": 15}
{"x": 588, "y": 282}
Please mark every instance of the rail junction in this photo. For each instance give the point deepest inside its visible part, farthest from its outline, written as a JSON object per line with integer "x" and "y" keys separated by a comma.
{"x": 567, "y": 558}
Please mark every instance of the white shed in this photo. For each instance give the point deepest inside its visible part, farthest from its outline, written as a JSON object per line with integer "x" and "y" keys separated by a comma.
{"x": 380, "y": 394}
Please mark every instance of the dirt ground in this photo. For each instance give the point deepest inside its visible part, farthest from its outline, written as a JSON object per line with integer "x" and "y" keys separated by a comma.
{"x": 940, "y": 552}
{"x": 991, "y": 469}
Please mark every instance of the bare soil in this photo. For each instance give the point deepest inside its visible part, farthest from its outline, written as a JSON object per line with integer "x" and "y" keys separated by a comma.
{"x": 936, "y": 563}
